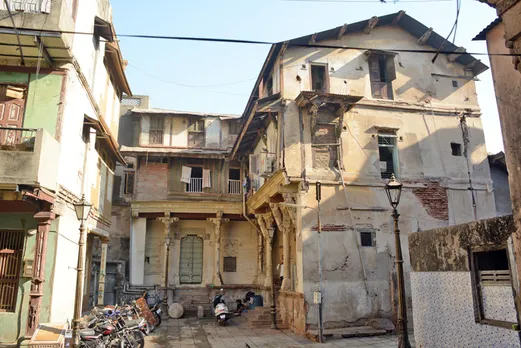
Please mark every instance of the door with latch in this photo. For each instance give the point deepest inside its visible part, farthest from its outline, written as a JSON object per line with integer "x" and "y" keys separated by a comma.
{"x": 191, "y": 262}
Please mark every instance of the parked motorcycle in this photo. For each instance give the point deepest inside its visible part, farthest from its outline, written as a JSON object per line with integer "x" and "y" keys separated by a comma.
{"x": 220, "y": 309}
{"x": 154, "y": 305}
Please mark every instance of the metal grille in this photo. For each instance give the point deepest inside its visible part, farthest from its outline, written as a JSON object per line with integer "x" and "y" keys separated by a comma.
{"x": 131, "y": 102}
{"x": 11, "y": 248}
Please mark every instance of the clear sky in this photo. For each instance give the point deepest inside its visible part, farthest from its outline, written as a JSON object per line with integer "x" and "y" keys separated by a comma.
{"x": 196, "y": 76}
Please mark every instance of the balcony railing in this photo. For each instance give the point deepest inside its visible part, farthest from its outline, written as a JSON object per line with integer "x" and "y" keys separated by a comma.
{"x": 33, "y": 6}
{"x": 234, "y": 187}
{"x": 17, "y": 139}
{"x": 195, "y": 185}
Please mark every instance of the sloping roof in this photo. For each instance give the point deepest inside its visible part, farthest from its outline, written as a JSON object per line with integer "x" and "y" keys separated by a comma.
{"x": 183, "y": 113}
{"x": 398, "y": 19}
{"x": 403, "y": 21}
{"x": 483, "y": 34}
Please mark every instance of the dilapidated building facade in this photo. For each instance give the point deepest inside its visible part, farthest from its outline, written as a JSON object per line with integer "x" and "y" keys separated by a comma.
{"x": 60, "y": 94}
{"x": 349, "y": 118}
{"x": 340, "y": 107}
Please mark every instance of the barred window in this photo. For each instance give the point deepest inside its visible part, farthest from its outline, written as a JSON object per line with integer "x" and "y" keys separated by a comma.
{"x": 156, "y": 130}
{"x": 11, "y": 249}
{"x": 388, "y": 155}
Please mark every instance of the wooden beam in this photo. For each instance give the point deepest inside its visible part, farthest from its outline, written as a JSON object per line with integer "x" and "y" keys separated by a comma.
{"x": 371, "y": 23}
{"x": 423, "y": 39}
{"x": 472, "y": 65}
{"x": 313, "y": 38}
{"x": 459, "y": 51}
{"x": 45, "y": 54}
{"x": 398, "y": 17}
{"x": 342, "y": 31}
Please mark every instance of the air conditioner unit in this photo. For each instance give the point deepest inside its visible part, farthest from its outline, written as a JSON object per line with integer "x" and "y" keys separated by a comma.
{"x": 254, "y": 164}
{"x": 266, "y": 164}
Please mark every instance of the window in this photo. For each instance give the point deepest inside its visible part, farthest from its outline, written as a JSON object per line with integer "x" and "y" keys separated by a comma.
{"x": 456, "y": 149}
{"x": 388, "y": 156}
{"x": 234, "y": 181}
{"x": 367, "y": 239}
{"x": 11, "y": 250}
{"x": 128, "y": 187}
{"x": 319, "y": 78}
{"x": 131, "y": 102}
{"x": 382, "y": 72}
{"x": 196, "y": 180}
{"x": 454, "y": 83}
{"x": 156, "y": 130}
{"x": 230, "y": 264}
{"x": 196, "y": 133}
{"x": 494, "y": 302}
{"x": 235, "y": 127}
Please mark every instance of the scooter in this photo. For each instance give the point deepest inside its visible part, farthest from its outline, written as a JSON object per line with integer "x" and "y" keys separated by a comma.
{"x": 220, "y": 309}
{"x": 154, "y": 304}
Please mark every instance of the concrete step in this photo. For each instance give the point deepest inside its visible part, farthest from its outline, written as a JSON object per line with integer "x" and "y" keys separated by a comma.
{"x": 348, "y": 332}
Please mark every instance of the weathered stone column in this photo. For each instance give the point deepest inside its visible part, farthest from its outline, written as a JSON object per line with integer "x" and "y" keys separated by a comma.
{"x": 44, "y": 219}
{"x": 218, "y": 221}
{"x": 167, "y": 221}
{"x": 286, "y": 223}
{"x": 102, "y": 271}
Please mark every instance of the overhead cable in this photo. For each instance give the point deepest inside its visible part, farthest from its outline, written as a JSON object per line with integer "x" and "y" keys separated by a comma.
{"x": 16, "y": 31}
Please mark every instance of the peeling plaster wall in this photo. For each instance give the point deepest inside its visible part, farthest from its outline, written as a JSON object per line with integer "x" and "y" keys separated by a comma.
{"x": 237, "y": 239}
{"x": 351, "y": 70}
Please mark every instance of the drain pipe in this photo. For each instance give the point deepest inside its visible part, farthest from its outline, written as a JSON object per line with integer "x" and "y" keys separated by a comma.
{"x": 466, "y": 141}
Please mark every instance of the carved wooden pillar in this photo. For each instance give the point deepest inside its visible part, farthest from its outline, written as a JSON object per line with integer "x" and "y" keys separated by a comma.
{"x": 286, "y": 223}
{"x": 265, "y": 223}
{"x": 102, "y": 271}
{"x": 167, "y": 221}
{"x": 44, "y": 219}
{"x": 218, "y": 221}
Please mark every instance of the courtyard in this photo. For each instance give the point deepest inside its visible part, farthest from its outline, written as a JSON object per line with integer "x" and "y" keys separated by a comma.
{"x": 205, "y": 333}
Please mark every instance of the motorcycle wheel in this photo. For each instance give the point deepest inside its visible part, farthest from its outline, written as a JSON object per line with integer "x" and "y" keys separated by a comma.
{"x": 128, "y": 342}
{"x": 139, "y": 338}
{"x": 158, "y": 319}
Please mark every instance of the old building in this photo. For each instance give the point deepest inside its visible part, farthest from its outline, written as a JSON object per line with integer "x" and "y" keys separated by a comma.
{"x": 349, "y": 107}
{"x": 60, "y": 95}
{"x": 180, "y": 192}
{"x": 502, "y": 37}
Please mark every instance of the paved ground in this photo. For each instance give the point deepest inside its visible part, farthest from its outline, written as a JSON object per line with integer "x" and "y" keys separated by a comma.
{"x": 205, "y": 333}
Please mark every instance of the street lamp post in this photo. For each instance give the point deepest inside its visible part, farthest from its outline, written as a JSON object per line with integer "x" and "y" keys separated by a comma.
{"x": 393, "y": 189}
{"x": 82, "y": 209}
{"x": 271, "y": 232}
{"x": 168, "y": 241}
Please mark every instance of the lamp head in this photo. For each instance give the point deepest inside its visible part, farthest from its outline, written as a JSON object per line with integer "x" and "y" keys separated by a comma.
{"x": 393, "y": 189}
{"x": 82, "y": 209}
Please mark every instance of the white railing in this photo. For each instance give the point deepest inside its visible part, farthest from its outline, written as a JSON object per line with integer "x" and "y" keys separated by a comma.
{"x": 195, "y": 185}
{"x": 234, "y": 187}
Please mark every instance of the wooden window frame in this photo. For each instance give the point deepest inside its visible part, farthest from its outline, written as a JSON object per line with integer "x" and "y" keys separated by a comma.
{"x": 126, "y": 189}
{"x": 390, "y": 75}
{"x": 156, "y": 132}
{"x": 372, "y": 233}
{"x": 326, "y": 77}
{"x": 479, "y": 313}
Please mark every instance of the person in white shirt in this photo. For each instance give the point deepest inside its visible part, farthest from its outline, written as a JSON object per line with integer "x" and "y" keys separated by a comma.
{"x": 280, "y": 268}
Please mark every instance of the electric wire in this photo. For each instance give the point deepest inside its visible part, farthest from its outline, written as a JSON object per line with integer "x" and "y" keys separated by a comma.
{"x": 454, "y": 29}
{"x": 288, "y": 43}
{"x": 368, "y": 1}
{"x": 182, "y": 85}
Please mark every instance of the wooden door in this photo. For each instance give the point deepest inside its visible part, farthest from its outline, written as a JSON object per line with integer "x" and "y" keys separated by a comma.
{"x": 191, "y": 262}
{"x": 12, "y": 103}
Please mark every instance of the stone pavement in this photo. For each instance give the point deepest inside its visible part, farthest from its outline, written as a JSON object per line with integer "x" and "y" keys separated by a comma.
{"x": 205, "y": 333}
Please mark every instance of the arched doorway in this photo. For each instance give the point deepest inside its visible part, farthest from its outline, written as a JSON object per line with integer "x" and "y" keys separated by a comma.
{"x": 191, "y": 262}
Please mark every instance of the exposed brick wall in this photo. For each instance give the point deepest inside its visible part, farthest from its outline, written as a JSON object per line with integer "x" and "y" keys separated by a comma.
{"x": 331, "y": 228}
{"x": 151, "y": 181}
{"x": 435, "y": 200}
